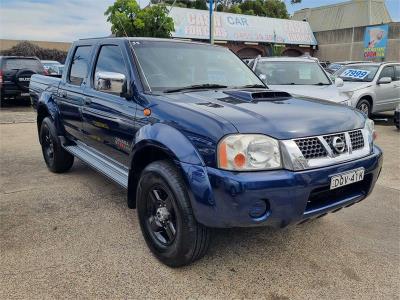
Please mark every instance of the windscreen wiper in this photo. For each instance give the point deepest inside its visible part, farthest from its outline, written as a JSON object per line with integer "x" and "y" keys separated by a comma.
{"x": 253, "y": 86}
{"x": 196, "y": 87}
{"x": 321, "y": 83}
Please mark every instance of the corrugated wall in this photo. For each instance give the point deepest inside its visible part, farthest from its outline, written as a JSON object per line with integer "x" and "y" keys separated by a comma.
{"x": 337, "y": 45}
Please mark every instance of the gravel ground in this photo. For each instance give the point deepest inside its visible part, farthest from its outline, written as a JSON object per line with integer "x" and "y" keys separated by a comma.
{"x": 72, "y": 236}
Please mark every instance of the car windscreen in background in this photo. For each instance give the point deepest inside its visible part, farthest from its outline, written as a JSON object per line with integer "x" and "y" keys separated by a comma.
{"x": 23, "y": 63}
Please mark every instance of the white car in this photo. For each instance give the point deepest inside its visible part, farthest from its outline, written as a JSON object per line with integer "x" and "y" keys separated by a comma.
{"x": 372, "y": 87}
{"x": 301, "y": 77}
{"x": 53, "y": 67}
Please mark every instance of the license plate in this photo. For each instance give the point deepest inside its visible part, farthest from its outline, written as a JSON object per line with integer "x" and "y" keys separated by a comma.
{"x": 346, "y": 178}
{"x": 24, "y": 94}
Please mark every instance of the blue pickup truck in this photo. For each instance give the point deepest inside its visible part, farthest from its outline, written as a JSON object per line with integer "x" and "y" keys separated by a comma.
{"x": 199, "y": 141}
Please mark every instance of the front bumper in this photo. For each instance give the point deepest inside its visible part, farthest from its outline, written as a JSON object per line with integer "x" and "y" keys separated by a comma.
{"x": 224, "y": 199}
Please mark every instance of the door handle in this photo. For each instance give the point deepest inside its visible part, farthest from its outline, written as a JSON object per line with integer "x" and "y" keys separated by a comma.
{"x": 87, "y": 101}
{"x": 63, "y": 94}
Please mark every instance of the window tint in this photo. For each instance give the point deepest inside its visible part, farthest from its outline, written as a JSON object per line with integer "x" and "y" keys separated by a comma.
{"x": 80, "y": 65}
{"x": 397, "y": 73}
{"x": 387, "y": 72}
{"x": 110, "y": 60}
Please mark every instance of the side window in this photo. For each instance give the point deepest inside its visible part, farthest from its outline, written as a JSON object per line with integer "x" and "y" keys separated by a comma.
{"x": 80, "y": 65}
{"x": 387, "y": 72}
{"x": 397, "y": 73}
{"x": 110, "y": 60}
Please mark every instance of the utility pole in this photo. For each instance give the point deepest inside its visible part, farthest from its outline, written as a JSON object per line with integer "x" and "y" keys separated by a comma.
{"x": 211, "y": 3}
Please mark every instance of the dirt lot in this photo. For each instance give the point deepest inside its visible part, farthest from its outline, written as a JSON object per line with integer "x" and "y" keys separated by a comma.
{"x": 71, "y": 235}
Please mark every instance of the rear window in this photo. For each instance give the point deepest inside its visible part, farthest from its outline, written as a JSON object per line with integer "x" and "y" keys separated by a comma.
{"x": 23, "y": 63}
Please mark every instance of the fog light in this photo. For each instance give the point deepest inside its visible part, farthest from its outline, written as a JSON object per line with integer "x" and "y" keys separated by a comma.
{"x": 258, "y": 209}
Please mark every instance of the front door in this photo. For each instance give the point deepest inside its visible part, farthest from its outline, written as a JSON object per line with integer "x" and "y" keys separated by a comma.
{"x": 108, "y": 117}
{"x": 387, "y": 95}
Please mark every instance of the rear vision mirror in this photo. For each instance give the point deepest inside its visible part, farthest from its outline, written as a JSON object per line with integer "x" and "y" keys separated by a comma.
{"x": 111, "y": 82}
{"x": 384, "y": 80}
{"x": 263, "y": 77}
{"x": 339, "y": 82}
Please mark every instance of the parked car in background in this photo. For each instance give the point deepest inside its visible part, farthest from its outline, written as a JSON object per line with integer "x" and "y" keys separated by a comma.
{"x": 301, "y": 77}
{"x": 199, "y": 141}
{"x": 53, "y": 67}
{"x": 371, "y": 87}
{"x": 15, "y": 74}
{"x": 324, "y": 64}
{"x": 335, "y": 66}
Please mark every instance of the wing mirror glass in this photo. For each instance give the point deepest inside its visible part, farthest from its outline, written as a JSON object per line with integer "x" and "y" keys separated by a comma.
{"x": 339, "y": 82}
{"x": 111, "y": 82}
{"x": 384, "y": 80}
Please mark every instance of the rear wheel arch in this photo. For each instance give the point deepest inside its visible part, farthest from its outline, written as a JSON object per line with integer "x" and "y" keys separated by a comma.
{"x": 42, "y": 112}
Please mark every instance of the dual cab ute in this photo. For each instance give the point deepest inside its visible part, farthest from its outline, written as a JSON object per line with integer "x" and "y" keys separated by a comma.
{"x": 199, "y": 141}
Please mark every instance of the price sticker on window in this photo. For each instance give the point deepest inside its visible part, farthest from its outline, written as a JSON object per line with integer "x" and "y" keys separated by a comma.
{"x": 355, "y": 73}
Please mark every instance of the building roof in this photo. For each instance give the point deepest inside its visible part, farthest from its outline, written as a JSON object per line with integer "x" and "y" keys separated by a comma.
{"x": 344, "y": 15}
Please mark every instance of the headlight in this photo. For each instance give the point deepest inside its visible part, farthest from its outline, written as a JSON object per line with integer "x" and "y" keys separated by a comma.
{"x": 346, "y": 102}
{"x": 370, "y": 127}
{"x": 246, "y": 152}
{"x": 349, "y": 94}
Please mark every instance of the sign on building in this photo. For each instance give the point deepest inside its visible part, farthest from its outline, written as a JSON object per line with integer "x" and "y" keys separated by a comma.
{"x": 375, "y": 40}
{"x": 194, "y": 24}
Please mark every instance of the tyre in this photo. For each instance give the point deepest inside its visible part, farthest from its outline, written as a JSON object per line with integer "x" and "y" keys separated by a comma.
{"x": 166, "y": 217}
{"x": 57, "y": 159}
{"x": 364, "y": 106}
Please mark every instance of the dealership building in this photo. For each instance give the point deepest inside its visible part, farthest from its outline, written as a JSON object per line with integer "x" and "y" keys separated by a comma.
{"x": 247, "y": 36}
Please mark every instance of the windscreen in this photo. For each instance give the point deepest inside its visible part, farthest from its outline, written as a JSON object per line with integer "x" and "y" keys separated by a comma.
{"x": 23, "y": 63}
{"x": 357, "y": 73}
{"x": 291, "y": 73}
{"x": 171, "y": 65}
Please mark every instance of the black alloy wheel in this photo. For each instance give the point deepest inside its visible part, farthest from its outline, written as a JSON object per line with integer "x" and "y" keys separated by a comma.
{"x": 160, "y": 217}
{"x": 57, "y": 159}
{"x": 166, "y": 218}
{"x": 47, "y": 145}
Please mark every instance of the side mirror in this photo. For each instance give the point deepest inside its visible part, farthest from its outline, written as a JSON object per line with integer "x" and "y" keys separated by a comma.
{"x": 263, "y": 77}
{"x": 339, "y": 82}
{"x": 384, "y": 80}
{"x": 110, "y": 82}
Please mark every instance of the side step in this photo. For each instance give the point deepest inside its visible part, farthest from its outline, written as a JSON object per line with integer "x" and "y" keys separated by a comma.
{"x": 109, "y": 168}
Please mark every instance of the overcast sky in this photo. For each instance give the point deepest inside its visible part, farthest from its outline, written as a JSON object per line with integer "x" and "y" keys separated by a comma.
{"x": 68, "y": 20}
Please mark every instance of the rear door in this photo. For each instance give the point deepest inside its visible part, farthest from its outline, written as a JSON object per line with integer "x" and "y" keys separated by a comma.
{"x": 387, "y": 94}
{"x": 109, "y": 117}
{"x": 70, "y": 95}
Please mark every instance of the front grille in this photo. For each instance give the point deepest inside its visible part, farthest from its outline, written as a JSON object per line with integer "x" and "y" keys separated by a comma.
{"x": 311, "y": 148}
{"x": 357, "y": 139}
{"x": 324, "y": 196}
{"x": 329, "y": 139}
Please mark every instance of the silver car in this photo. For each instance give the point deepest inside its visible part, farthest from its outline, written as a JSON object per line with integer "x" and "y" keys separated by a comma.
{"x": 372, "y": 87}
{"x": 301, "y": 77}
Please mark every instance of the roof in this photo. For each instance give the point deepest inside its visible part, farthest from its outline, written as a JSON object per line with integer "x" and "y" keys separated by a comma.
{"x": 348, "y": 14}
{"x": 149, "y": 39}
